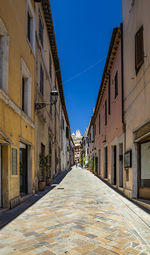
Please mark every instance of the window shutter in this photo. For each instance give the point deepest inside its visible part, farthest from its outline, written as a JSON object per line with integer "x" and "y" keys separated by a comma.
{"x": 109, "y": 95}
{"x": 29, "y": 27}
{"x": 99, "y": 123}
{"x": 41, "y": 80}
{"x": 50, "y": 66}
{"x": 116, "y": 84}
{"x": 139, "y": 49}
{"x": 105, "y": 112}
{"x": 14, "y": 161}
{"x": 40, "y": 30}
{"x": 23, "y": 93}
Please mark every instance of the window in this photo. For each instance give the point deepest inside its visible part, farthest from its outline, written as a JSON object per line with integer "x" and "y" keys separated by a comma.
{"x": 23, "y": 93}
{"x": 109, "y": 83}
{"x": 50, "y": 101}
{"x": 50, "y": 154}
{"x": 116, "y": 84}
{"x": 4, "y": 57}
{"x": 127, "y": 174}
{"x": 132, "y": 3}
{"x": 42, "y": 149}
{"x": 41, "y": 80}
{"x": 139, "y": 49}
{"x": 63, "y": 123}
{"x": 145, "y": 164}
{"x": 26, "y": 83}
{"x": 41, "y": 29}
{"x": 50, "y": 66}
{"x": 31, "y": 25}
{"x": 105, "y": 112}
{"x": 99, "y": 123}
{"x": 14, "y": 161}
{"x": 67, "y": 132}
{"x": 95, "y": 130}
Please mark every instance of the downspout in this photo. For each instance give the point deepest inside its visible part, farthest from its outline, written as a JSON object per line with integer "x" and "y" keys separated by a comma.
{"x": 122, "y": 82}
{"x": 122, "y": 73}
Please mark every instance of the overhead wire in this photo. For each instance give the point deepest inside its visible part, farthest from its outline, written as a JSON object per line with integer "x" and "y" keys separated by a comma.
{"x": 85, "y": 70}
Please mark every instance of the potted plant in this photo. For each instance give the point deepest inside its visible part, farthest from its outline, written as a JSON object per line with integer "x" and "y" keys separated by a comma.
{"x": 42, "y": 181}
{"x": 48, "y": 172}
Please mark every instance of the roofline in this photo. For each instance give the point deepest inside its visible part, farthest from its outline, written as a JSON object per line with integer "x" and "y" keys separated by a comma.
{"x": 114, "y": 33}
{"x": 51, "y": 33}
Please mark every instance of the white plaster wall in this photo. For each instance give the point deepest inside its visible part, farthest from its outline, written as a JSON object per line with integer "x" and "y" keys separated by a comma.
{"x": 136, "y": 86}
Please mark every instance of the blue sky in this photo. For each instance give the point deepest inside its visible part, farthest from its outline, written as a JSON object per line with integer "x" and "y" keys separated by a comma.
{"x": 83, "y": 30}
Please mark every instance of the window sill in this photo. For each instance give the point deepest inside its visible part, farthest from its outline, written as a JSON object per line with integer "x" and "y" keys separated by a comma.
{"x": 31, "y": 48}
{"x": 25, "y": 115}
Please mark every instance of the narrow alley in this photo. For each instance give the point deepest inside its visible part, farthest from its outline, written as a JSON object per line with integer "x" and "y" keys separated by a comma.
{"x": 81, "y": 215}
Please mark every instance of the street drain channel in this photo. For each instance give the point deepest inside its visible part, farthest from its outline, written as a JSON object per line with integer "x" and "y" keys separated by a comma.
{"x": 60, "y": 188}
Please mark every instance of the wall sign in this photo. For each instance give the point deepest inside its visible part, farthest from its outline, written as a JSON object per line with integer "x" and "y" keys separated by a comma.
{"x": 128, "y": 159}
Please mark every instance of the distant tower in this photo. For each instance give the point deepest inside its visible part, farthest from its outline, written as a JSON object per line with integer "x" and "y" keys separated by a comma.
{"x": 78, "y": 133}
{"x": 73, "y": 134}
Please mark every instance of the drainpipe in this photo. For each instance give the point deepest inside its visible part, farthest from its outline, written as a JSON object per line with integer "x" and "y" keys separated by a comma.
{"x": 122, "y": 72}
{"x": 122, "y": 77}
{"x": 55, "y": 135}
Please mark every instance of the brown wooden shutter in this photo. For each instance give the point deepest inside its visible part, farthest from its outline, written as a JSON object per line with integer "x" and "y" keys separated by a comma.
{"x": 139, "y": 49}
{"x": 105, "y": 112}
{"x": 109, "y": 100}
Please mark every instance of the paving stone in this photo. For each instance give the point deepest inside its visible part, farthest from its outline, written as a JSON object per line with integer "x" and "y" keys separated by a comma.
{"x": 81, "y": 215}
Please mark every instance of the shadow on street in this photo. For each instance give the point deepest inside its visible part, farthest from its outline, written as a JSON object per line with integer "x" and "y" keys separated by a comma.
{"x": 11, "y": 214}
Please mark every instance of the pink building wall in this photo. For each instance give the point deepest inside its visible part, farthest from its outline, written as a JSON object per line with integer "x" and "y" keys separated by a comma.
{"x": 114, "y": 127}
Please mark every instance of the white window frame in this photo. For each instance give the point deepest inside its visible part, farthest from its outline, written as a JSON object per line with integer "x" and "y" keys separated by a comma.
{"x": 32, "y": 29}
{"x": 4, "y": 57}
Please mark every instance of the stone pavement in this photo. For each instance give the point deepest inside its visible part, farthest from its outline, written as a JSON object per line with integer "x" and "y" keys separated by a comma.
{"x": 9, "y": 215}
{"x": 82, "y": 215}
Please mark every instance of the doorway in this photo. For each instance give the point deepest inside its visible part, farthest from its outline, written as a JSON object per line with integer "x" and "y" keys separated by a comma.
{"x": 121, "y": 165}
{"x": 106, "y": 162}
{"x": 115, "y": 165}
{"x": 144, "y": 190}
{"x": 23, "y": 169}
{"x": 99, "y": 165}
{"x": 0, "y": 176}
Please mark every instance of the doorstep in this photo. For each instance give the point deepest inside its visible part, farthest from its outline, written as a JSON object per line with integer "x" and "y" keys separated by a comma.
{"x": 3, "y": 210}
{"x": 25, "y": 197}
{"x": 142, "y": 202}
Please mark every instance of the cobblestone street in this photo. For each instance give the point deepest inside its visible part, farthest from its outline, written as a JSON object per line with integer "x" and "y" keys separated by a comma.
{"x": 81, "y": 215}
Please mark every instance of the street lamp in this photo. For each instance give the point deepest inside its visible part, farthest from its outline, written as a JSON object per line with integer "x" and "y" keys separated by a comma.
{"x": 54, "y": 97}
{"x": 53, "y": 101}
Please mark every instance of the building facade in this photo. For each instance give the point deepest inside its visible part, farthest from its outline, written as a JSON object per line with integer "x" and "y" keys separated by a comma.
{"x": 84, "y": 149}
{"x": 17, "y": 78}
{"x": 31, "y": 141}
{"x": 136, "y": 97}
{"x": 52, "y": 126}
{"x": 108, "y": 117}
{"x": 91, "y": 152}
{"x": 77, "y": 138}
{"x": 65, "y": 151}
{"x": 71, "y": 152}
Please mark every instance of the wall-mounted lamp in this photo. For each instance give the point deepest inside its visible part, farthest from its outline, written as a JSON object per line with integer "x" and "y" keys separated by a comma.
{"x": 54, "y": 97}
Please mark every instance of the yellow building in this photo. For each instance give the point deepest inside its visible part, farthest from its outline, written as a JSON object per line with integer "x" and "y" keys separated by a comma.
{"x": 17, "y": 71}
